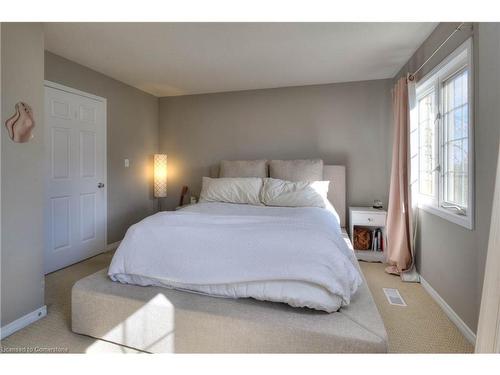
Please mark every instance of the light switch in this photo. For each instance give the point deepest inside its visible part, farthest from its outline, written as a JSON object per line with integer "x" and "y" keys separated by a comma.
{"x": 127, "y": 163}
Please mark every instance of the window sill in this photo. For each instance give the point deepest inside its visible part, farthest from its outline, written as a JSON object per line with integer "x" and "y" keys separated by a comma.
{"x": 464, "y": 221}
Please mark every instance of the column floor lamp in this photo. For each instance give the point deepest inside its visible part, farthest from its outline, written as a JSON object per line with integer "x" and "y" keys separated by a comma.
{"x": 160, "y": 177}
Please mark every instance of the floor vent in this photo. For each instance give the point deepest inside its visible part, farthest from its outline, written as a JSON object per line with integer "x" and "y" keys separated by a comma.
{"x": 393, "y": 297}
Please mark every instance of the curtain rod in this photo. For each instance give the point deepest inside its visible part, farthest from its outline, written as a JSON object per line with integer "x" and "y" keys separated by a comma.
{"x": 411, "y": 76}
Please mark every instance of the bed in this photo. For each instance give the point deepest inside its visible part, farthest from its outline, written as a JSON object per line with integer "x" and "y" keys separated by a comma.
{"x": 156, "y": 319}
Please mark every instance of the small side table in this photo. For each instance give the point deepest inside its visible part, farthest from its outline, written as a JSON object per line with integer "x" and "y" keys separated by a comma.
{"x": 371, "y": 218}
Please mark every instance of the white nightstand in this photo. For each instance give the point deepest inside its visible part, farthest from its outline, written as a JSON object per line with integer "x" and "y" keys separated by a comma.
{"x": 371, "y": 218}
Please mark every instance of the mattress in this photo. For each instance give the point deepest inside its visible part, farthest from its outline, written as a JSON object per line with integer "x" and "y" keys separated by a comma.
{"x": 159, "y": 320}
{"x": 294, "y": 255}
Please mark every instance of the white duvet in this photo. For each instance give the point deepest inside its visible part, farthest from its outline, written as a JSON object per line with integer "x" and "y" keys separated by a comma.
{"x": 291, "y": 255}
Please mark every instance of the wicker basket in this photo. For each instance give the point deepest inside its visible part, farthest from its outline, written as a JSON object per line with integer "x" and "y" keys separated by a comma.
{"x": 362, "y": 239}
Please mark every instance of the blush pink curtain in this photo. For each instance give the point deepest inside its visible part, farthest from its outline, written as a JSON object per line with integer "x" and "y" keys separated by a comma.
{"x": 399, "y": 255}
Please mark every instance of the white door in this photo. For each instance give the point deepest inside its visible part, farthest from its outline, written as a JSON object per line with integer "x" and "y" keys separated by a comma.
{"x": 75, "y": 212}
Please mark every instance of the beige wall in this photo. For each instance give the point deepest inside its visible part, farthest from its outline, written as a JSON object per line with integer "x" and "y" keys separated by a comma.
{"x": 451, "y": 258}
{"x": 22, "y": 182}
{"x": 132, "y": 132}
{"x": 347, "y": 123}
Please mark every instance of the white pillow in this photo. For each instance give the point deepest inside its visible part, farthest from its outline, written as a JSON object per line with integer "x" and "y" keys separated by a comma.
{"x": 294, "y": 194}
{"x": 231, "y": 190}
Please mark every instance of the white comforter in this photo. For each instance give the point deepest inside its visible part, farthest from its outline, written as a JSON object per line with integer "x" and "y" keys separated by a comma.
{"x": 291, "y": 255}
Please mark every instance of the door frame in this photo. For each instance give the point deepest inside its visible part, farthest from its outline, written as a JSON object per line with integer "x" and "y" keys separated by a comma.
{"x": 488, "y": 331}
{"x": 71, "y": 90}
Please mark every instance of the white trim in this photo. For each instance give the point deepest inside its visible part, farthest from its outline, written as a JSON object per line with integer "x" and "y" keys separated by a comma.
{"x": 425, "y": 80}
{"x": 105, "y": 166}
{"x": 488, "y": 330}
{"x": 450, "y": 313}
{"x": 71, "y": 90}
{"x": 444, "y": 70}
{"x": 463, "y": 221}
{"x": 113, "y": 246}
{"x": 23, "y": 321}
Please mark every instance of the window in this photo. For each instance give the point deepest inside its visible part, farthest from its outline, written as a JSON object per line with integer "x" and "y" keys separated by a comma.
{"x": 441, "y": 139}
{"x": 426, "y": 150}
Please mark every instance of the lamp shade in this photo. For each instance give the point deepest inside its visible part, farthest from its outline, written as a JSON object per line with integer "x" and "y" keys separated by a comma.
{"x": 160, "y": 175}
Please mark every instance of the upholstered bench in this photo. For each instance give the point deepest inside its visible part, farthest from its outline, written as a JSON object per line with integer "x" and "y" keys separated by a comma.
{"x": 161, "y": 320}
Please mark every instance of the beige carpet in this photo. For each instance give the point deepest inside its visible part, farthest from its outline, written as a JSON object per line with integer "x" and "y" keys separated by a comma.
{"x": 421, "y": 327}
{"x": 53, "y": 331}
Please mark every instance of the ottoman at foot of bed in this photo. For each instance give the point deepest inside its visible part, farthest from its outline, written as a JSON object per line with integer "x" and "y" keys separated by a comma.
{"x": 160, "y": 320}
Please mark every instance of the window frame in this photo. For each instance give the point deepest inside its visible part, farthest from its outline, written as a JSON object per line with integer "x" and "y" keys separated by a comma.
{"x": 426, "y": 199}
{"x": 434, "y": 81}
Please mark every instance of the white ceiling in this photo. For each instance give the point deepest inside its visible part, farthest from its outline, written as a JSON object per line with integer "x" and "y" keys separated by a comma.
{"x": 168, "y": 59}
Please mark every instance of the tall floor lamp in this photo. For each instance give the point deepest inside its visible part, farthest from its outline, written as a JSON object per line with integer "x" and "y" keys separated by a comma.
{"x": 160, "y": 177}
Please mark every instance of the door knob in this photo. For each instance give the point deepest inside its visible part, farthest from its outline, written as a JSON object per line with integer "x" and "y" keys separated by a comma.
{"x": 100, "y": 185}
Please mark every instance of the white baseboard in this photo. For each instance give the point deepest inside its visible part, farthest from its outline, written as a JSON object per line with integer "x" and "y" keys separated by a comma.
{"x": 112, "y": 246}
{"x": 452, "y": 315}
{"x": 23, "y": 321}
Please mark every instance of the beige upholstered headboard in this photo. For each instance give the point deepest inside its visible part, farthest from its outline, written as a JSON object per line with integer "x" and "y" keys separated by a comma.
{"x": 337, "y": 191}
